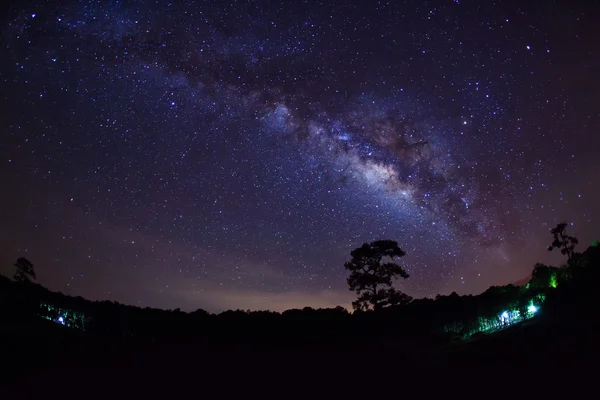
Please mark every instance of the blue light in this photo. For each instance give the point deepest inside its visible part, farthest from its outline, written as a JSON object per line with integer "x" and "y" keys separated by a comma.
{"x": 532, "y": 309}
{"x": 61, "y": 320}
{"x": 505, "y": 315}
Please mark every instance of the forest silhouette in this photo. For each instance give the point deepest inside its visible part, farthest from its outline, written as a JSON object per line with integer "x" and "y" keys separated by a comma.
{"x": 545, "y": 322}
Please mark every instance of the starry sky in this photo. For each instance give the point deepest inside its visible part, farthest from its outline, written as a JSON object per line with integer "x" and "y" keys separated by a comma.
{"x": 225, "y": 155}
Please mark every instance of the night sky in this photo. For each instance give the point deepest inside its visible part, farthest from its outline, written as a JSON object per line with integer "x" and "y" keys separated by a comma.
{"x": 228, "y": 155}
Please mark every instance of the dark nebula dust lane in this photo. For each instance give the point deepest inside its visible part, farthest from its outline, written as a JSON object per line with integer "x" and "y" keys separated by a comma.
{"x": 230, "y": 155}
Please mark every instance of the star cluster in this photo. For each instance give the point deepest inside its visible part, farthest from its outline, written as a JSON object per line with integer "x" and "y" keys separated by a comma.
{"x": 231, "y": 154}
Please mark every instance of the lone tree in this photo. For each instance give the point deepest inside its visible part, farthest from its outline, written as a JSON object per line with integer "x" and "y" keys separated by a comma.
{"x": 24, "y": 271}
{"x": 372, "y": 279}
{"x": 562, "y": 241}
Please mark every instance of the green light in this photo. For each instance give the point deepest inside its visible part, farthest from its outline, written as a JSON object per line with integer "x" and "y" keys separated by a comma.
{"x": 553, "y": 282}
{"x": 67, "y": 317}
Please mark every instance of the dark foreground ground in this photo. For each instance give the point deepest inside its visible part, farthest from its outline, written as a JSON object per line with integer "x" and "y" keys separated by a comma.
{"x": 539, "y": 358}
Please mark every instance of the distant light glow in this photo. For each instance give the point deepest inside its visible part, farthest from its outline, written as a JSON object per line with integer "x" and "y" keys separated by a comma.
{"x": 504, "y": 315}
{"x": 532, "y": 309}
{"x": 61, "y": 320}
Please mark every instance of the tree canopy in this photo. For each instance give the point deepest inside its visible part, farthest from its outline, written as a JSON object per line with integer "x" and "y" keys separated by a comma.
{"x": 25, "y": 271}
{"x": 371, "y": 276}
{"x": 562, "y": 241}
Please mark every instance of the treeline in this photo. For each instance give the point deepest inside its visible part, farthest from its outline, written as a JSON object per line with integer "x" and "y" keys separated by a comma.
{"x": 551, "y": 290}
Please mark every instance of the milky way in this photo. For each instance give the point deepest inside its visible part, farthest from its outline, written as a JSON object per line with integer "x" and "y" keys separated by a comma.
{"x": 230, "y": 155}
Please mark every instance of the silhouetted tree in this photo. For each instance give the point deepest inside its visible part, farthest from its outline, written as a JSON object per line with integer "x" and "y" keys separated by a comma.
{"x": 544, "y": 276}
{"x": 24, "y": 272}
{"x": 371, "y": 279}
{"x": 562, "y": 241}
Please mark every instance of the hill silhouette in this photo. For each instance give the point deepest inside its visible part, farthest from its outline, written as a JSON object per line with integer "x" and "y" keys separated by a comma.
{"x": 525, "y": 330}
